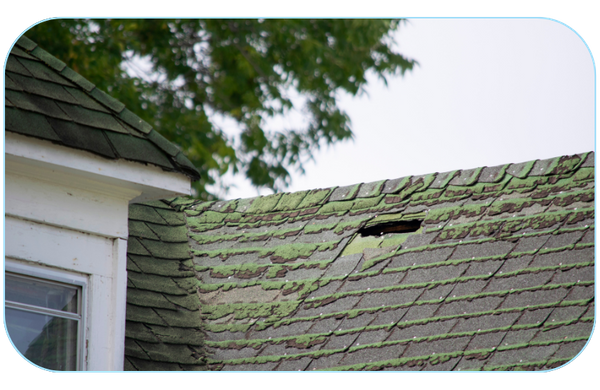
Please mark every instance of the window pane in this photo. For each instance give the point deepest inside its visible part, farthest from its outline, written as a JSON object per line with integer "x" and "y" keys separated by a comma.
{"x": 39, "y": 293}
{"x": 47, "y": 341}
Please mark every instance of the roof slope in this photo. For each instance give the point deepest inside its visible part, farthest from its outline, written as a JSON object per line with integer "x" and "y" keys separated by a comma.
{"x": 499, "y": 277}
{"x": 46, "y": 99}
{"x": 162, "y": 331}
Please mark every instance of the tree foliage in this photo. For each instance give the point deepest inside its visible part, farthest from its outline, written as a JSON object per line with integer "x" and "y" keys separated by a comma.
{"x": 242, "y": 70}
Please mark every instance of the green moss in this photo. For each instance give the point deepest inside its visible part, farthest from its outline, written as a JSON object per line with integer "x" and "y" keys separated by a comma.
{"x": 366, "y": 203}
{"x": 350, "y": 225}
{"x": 456, "y": 231}
{"x": 359, "y": 243}
{"x": 290, "y": 201}
{"x": 209, "y": 238}
{"x": 272, "y": 311}
{"x": 314, "y": 198}
{"x": 427, "y": 195}
{"x": 332, "y": 207}
{"x": 418, "y": 184}
{"x": 264, "y": 204}
{"x": 312, "y": 228}
{"x": 403, "y": 183}
{"x": 586, "y": 173}
{"x": 447, "y": 213}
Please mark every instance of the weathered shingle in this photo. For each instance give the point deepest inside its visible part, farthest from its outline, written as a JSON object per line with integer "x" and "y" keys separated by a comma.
{"x": 498, "y": 277}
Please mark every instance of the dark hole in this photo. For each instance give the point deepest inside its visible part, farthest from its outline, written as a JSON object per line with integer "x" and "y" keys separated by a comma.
{"x": 391, "y": 227}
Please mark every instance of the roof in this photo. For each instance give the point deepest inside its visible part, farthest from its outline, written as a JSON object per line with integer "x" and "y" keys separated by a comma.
{"x": 46, "y": 99}
{"x": 498, "y": 276}
{"x": 163, "y": 318}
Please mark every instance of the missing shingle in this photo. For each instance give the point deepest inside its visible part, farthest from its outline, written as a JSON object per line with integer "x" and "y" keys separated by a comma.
{"x": 380, "y": 229}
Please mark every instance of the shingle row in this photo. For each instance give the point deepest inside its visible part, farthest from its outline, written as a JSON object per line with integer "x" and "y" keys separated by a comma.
{"x": 288, "y": 284}
{"x": 46, "y": 99}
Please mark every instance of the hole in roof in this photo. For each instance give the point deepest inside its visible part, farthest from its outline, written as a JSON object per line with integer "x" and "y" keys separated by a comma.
{"x": 380, "y": 229}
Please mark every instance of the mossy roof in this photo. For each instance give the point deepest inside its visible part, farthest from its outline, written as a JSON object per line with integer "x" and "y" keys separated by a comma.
{"x": 46, "y": 99}
{"x": 500, "y": 275}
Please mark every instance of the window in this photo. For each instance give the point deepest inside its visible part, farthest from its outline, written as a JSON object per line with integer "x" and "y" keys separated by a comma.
{"x": 44, "y": 317}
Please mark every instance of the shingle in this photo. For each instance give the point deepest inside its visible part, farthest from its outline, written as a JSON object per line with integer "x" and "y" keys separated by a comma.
{"x": 48, "y": 58}
{"x": 36, "y": 103}
{"x": 13, "y": 65}
{"x": 419, "y": 258}
{"x": 26, "y": 43}
{"x": 515, "y": 356}
{"x": 77, "y": 79}
{"x": 93, "y": 118}
{"x": 418, "y": 331}
{"x": 132, "y": 148}
{"x": 344, "y": 193}
{"x": 42, "y": 72}
{"x": 82, "y": 137}
{"x": 29, "y": 123}
{"x": 427, "y": 348}
{"x": 107, "y": 100}
{"x": 42, "y": 88}
{"x": 85, "y": 100}
{"x": 532, "y": 298}
{"x": 486, "y": 249}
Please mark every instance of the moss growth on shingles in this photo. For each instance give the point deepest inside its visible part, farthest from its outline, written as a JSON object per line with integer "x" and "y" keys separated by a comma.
{"x": 366, "y": 203}
{"x": 350, "y": 225}
{"x": 528, "y": 183}
{"x": 264, "y": 204}
{"x": 271, "y": 311}
{"x": 584, "y": 174}
{"x": 334, "y": 207}
{"x": 211, "y": 217}
{"x": 305, "y": 340}
{"x": 210, "y": 238}
{"x": 372, "y": 262}
{"x": 551, "y": 250}
{"x": 312, "y": 228}
{"x": 444, "y": 214}
{"x": 290, "y": 201}
{"x": 230, "y": 270}
{"x": 359, "y": 243}
{"x": 428, "y": 195}
{"x": 314, "y": 198}
{"x": 265, "y": 359}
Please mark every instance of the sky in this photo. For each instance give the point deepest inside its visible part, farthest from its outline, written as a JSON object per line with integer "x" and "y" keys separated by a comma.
{"x": 486, "y": 92}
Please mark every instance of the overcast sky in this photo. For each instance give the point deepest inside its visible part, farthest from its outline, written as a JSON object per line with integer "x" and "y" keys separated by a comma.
{"x": 487, "y": 92}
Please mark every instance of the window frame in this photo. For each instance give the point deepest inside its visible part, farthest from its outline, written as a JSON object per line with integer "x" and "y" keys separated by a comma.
{"x": 58, "y": 277}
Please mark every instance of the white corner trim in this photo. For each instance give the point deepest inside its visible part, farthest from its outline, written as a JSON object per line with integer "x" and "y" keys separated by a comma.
{"x": 149, "y": 181}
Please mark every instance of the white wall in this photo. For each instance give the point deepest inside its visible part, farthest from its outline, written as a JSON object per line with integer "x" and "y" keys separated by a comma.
{"x": 67, "y": 211}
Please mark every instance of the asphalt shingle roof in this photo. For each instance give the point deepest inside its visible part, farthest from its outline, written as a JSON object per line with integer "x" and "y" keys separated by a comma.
{"x": 163, "y": 328}
{"x": 47, "y": 100}
{"x": 500, "y": 275}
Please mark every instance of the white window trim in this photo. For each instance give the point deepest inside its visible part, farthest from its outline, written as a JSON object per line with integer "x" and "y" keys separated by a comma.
{"x": 60, "y": 276}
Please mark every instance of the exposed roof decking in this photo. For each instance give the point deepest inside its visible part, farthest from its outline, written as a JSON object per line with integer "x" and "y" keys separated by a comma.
{"x": 47, "y": 100}
{"x": 500, "y": 277}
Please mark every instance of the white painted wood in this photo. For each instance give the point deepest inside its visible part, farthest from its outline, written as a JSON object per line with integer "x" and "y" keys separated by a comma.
{"x": 152, "y": 182}
{"x": 72, "y": 207}
{"x": 58, "y": 247}
{"x": 120, "y": 302}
